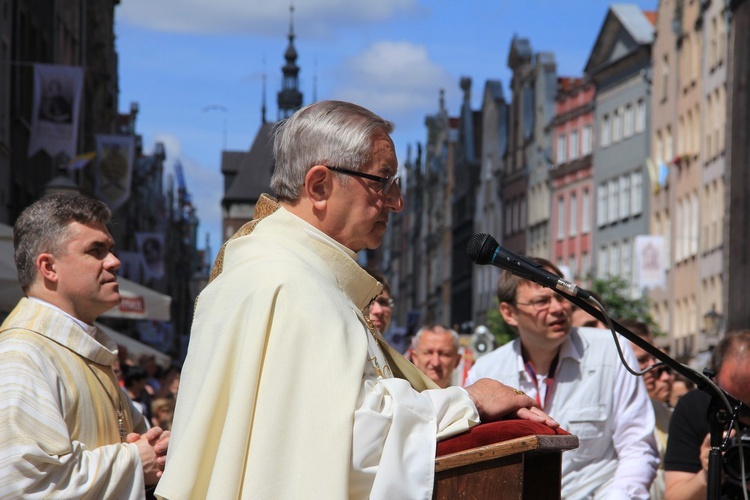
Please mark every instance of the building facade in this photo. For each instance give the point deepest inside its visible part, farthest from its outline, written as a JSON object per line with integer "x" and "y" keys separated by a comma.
{"x": 620, "y": 68}
{"x": 571, "y": 177}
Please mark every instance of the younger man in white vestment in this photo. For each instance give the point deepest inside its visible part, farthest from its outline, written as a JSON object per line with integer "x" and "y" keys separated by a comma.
{"x": 577, "y": 377}
{"x": 68, "y": 430}
{"x": 288, "y": 391}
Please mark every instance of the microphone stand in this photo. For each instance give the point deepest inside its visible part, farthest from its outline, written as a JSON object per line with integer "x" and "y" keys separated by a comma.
{"x": 723, "y": 411}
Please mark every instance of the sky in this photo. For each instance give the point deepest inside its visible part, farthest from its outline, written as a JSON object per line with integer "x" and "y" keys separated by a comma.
{"x": 196, "y": 68}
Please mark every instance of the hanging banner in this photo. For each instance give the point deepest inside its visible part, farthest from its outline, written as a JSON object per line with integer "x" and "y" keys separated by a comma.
{"x": 130, "y": 265}
{"x": 114, "y": 168}
{"x": 56, "y": 105}
{"x": 151, "y": 248}
{"x": 649, "y": 262}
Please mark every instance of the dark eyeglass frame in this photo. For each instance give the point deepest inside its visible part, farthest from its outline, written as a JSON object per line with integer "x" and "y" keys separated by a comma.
{"x": 386, "y": 182}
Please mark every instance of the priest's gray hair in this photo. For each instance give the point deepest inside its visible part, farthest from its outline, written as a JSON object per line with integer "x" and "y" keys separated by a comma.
{"x": 330, "y": 133}
{"x": 42, "y": 228}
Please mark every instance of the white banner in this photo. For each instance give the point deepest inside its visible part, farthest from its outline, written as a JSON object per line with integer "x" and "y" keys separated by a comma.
{"x": 57, "y": 102}
{"x": 151, "y": 248}
{"x": 115, "y": 168}
{"x": 649, "y": 262}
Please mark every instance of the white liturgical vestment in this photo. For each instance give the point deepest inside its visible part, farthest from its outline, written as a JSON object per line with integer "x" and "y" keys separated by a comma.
{"x": 279, "y": 397}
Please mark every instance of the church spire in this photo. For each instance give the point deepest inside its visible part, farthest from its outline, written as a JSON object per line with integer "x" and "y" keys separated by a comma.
{"x": 290, "y": 97}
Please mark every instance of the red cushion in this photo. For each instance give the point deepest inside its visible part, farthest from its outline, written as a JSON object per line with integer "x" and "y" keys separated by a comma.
{"x": 493, "y": 432}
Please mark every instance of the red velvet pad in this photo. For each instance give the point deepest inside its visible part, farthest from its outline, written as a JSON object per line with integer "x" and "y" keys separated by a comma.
{"x": 493, "y": 432}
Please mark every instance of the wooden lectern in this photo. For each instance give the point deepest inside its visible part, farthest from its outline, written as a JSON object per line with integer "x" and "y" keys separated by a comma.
{"x": 510, "y": 459}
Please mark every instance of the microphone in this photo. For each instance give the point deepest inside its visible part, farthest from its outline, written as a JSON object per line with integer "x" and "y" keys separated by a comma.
{"x": 484, "y": 249}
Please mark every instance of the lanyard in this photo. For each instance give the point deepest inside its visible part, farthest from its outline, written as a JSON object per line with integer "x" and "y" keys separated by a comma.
{"x": 549, "y": 381}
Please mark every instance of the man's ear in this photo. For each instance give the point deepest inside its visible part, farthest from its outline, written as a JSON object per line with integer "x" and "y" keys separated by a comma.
{"x": 318, "y": 186}
{"x": 509, "y": 313}
{"x": 45, "y": 265}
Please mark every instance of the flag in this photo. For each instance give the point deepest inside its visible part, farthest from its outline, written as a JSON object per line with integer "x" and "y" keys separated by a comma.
{"x": 653, "y": 176}
{"x": 115, "y": 168}
{"x": 649, "y": 261}
{"x": 81, "y": 161}
{"x": 55, "y": 109}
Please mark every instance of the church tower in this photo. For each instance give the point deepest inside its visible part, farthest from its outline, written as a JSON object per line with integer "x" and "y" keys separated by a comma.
{"x": 289, "y": 97}
{"x": 247, "y": 174}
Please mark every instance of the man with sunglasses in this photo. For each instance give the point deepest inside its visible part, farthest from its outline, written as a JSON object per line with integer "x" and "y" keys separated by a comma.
{"x": 577, "y": 377}
{"x": 288, "y": 389}
{"x": 659, "y": 386}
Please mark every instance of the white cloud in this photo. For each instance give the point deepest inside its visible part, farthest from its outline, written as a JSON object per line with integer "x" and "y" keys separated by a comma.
{"x": 396, "y": 79}
{"x": 256, "y": 16}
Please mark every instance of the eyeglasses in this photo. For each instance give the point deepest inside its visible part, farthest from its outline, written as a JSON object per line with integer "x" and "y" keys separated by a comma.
{"x": 385, "y": 302}
{"x": 662, "y": 369}
{"x": 543, "y": 303}
{"x": 386, "y": 183}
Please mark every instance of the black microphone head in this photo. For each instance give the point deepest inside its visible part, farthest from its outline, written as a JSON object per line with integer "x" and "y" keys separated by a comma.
{"x": 481, "y": 247}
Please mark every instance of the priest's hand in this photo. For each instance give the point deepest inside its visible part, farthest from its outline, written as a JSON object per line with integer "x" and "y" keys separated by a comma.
{"x": 495, "y": 401}
{"x": 152, "y": 448}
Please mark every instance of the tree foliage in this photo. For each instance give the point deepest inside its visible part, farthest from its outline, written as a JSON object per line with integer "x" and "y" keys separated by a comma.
{"x": 614, "y": 291}
{"x": 501, "y": 331}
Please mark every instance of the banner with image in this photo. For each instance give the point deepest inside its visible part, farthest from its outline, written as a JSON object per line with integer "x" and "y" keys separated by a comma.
{"x": 649, "y": 262}
{"x": 114, "y": 168}
{"x": 55, "y": 109}
{"x": 151, "y": 248}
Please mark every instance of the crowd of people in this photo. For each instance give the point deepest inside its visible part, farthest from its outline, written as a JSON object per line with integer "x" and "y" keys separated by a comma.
{"x": 289, "y": 388}
{"x": 680, "y": 443}
{"x": 151, "y": 387}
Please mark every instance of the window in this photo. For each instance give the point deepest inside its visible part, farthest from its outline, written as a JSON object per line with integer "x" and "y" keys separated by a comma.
{"x": 614, "y": 260}
{"x": 560, "y": 218}
{"x": 573, "y": 229}
{"x": 572, "y": 267}
{"x": 605, "y": 132}
{"x": 601, "y": 205}
{"x": 627, "y": 127}
{"x": 561, "y": 156}
{"x": 613, "y": 198}
{"x": 573, "y": 145}
{"x": 603, "y": 259}
{"x": 679, "y": 232}
{"x": 509, "y": 219}
{"x": 640, "y": 116}
{"x": 587, "y": 140}
{"x": 617, "y": 125}
{"x": 624, "y": 196}
{"x": 626, "y": 258}
{"x": 636, "y": 193}
{"x": 585, "y": 264}
{"x": 694, "y": 224}
{"x": 712, "y": 51}
{"x": 664, "y": 77}
{"x": 586, "y": 212}
{"x": 668, "y": 146}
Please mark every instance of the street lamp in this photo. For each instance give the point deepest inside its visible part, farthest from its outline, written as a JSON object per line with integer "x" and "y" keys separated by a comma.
{"x": 61, "y": 183}
{"x": 712, "y": 321}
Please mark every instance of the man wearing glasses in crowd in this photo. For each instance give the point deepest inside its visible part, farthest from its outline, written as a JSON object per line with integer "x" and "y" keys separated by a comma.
{"x": 381, "y": 309}
{"x": 288, "y": 389}
{"x": 577, "y": 377}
